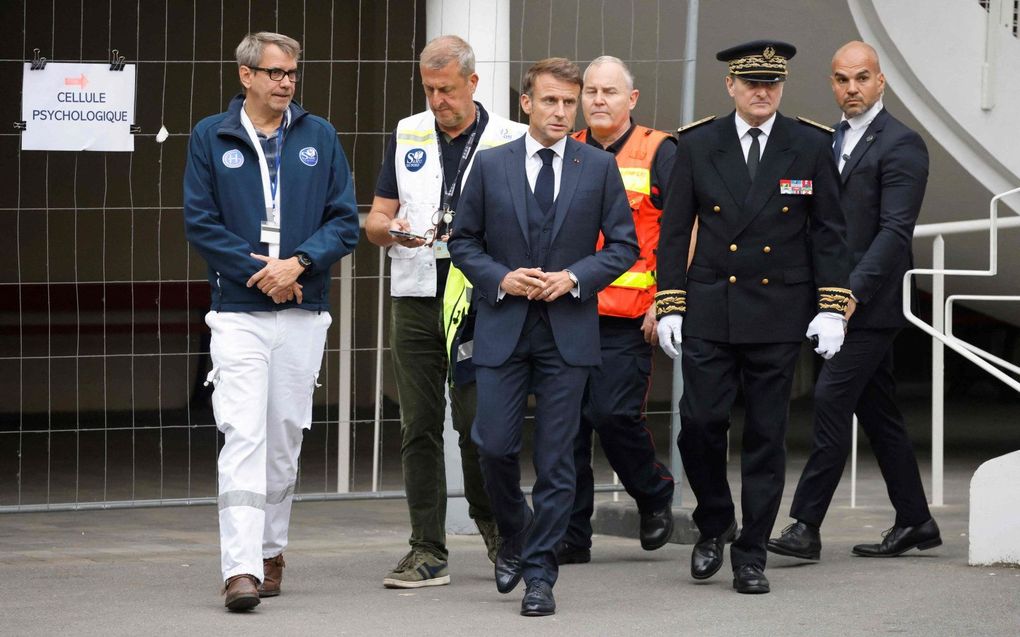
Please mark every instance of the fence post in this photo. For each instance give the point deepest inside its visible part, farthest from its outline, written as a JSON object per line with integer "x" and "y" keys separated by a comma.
{"x": 345, "y": 354}
{"x": 938, "y": 353}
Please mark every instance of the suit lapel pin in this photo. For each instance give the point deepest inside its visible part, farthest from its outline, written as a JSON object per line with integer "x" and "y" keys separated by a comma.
{"x": 870, "y": 138}
{"x": 576, "y": 160}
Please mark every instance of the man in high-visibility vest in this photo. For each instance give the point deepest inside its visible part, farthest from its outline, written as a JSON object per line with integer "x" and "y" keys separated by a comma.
{"x": 615, "y": 396}
{"x": 428, "y": 158}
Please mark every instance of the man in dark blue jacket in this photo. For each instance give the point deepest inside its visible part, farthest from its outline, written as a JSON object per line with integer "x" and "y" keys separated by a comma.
{"x": 269, "y": 203}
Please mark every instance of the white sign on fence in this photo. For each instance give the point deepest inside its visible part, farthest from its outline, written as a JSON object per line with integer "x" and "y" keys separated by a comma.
{"x": 70, "y": 106}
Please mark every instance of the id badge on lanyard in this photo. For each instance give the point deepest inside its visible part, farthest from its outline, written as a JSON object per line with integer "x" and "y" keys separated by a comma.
{"x": 444, "y": 216}
{"x": 269, "y": 229}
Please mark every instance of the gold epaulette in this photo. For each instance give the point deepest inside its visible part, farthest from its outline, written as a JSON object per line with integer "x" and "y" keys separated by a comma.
{"x": 833, "y": 299}
{"x": 687, "y": 127}
{"x": 811, "y": 122}
{"x": 670, "y": 302}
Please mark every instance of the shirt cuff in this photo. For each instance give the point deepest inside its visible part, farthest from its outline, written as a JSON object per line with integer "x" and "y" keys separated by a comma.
{"x": 576, "y": 290}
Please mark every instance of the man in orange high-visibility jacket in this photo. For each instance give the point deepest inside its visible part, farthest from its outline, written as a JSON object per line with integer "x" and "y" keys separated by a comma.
{"x": 614, "y": 400}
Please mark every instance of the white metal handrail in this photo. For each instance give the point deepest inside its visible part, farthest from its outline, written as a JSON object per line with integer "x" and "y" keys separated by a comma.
{"x": 941, "y": 329}
{"x": 1009, "y": 380}
{"x": 945, "y": 333}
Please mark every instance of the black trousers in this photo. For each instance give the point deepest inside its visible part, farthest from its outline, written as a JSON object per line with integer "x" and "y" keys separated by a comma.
{"x": 614, "y": 405}
{"x": 859, "y": 379}
{"x": 713, "y": 372}
{"x": 536, "y": 367}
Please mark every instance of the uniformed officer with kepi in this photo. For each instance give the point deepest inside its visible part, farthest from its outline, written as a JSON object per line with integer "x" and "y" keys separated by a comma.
{"x": 770, "y": 266}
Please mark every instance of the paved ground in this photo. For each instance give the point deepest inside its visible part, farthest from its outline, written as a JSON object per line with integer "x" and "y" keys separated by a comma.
{"x": 154, "y": 571}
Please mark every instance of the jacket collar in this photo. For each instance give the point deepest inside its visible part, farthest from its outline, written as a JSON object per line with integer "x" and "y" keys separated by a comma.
{"x": 518, "y": 181}
{"x": 232, "y": 126}
{"x": 870, "y": 134}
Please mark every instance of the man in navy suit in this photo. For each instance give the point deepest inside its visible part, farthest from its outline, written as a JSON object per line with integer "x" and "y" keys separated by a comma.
{"x": 525, "y": 236}
{"x": 884, "y": 170}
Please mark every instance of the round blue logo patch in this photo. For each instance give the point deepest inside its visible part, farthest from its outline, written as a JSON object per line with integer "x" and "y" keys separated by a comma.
{"x": 309, "y": 156}
{"x": 233, "y": 158}
{"x": 414, "y": 159}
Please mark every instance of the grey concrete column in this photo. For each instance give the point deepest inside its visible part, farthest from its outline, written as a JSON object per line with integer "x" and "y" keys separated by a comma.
{"x": 485, "y": 24}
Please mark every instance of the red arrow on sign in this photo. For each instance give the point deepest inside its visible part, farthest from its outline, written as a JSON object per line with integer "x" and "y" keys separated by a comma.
{"x": 81, "y": 82}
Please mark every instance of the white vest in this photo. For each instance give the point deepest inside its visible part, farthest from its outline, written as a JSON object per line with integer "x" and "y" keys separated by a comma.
{"x": 419, "y": 166}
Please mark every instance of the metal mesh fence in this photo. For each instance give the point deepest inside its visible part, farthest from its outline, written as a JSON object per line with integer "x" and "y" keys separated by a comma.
{"x": 103, "y": 348}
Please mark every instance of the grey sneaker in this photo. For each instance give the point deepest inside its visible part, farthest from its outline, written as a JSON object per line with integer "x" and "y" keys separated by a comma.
{"x": 418, "y": 569}
{"x": 490, "y": 535}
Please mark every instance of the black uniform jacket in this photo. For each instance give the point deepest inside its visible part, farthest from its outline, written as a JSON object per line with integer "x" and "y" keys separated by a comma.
{"x": 762, "y": 252}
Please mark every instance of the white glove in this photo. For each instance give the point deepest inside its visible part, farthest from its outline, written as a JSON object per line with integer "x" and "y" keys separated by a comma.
{"x": 670, "y": 337}
{"x": 829, "y": 328}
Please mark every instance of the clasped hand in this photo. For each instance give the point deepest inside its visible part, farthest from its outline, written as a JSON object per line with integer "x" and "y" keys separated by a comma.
{"x": 537, "y": 285}
{"x": 278, "y": 278}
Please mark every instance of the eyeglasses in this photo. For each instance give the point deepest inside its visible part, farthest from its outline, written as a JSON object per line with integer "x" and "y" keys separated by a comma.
{"x": 276, "y": 74}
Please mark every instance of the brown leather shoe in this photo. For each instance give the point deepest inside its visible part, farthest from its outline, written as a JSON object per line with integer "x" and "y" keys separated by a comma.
{"x": 272, "y": 577}
{"x": 242, "y": 593}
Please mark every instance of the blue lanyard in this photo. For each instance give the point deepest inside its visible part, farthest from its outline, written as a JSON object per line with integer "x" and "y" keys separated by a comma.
{"x": 274, "y": 183}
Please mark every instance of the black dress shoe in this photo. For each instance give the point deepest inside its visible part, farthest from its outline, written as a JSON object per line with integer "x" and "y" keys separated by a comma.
{"x": 508, "y": 558}
{"x": 707, "y": 556}
{"x": 798, "y": 540}
{"x": 750, "y": 580}
{"x": 656, "y": 528}
{"x": 900, "y": 539}
{"x": 570, "y": 554}
{"x": 538, "y": 599}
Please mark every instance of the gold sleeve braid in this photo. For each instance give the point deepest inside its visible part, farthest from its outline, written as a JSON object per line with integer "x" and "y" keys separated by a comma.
{"x": 833, "y": 299}
{"x": 670, "y": 302}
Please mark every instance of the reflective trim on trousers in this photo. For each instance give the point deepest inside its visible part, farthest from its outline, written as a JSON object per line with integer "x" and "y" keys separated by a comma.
{"x": 243, "y": 499}
{"x": 277, "y": 497}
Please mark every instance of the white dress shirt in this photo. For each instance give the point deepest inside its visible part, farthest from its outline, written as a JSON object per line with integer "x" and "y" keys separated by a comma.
{"x": 746, "y": 139}
{"x": 854, "y": 134}
{"x": 533, "y": 164}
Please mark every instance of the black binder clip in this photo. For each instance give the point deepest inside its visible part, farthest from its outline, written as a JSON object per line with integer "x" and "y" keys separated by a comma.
{"x": 116, "y": 60}
{"x": 135, "y": 129}
{"x": 21, "y": 125}
{"x": 38, "y": 63}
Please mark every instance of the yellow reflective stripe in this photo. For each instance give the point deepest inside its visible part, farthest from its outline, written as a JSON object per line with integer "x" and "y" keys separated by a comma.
{"x": 637, "y": 180}
{"x": 637, "y": 280}
{"x": 416, "y": 136}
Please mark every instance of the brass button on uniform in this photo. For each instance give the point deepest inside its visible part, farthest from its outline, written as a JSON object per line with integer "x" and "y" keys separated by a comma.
{"x": 767, "y": 249}
{"x": 733, "y": 279}
{"x": 733, "y": 247}
{"x": 786, "y": 209}
{"x": 764, "y": 281}
{"x": 716, "y": 209}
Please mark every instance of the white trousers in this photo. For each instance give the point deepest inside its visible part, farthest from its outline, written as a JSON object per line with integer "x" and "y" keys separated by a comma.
{"x": 265, "y": 368}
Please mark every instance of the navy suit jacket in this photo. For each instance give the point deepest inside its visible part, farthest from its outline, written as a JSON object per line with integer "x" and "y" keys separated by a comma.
{"x": 490, "y": 239}
{"x": 883, "y": 184}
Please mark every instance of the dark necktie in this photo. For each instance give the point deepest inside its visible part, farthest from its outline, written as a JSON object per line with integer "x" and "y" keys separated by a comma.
{"x": 753, "y": 155}
{"x": 545, "y": 185}
{"x": 837, "y": 141}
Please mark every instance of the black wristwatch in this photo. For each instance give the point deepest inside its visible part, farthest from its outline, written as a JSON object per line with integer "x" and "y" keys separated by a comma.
{"x": 303, "y": 259}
